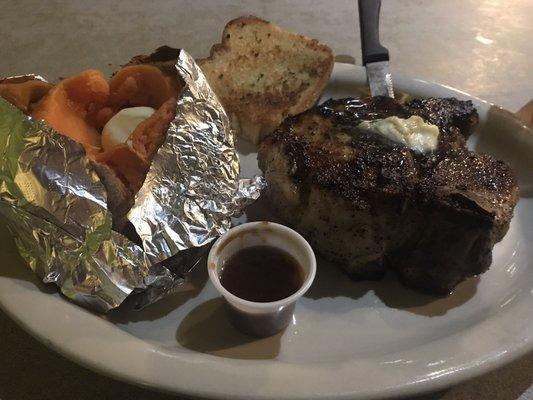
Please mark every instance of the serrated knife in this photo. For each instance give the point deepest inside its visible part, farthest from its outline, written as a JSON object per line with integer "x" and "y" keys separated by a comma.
{"x": 375, "y": 56}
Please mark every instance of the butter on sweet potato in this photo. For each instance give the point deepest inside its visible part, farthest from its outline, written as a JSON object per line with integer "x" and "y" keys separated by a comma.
{"x": 80, "y": 106}
{"x": 131, "y": 165}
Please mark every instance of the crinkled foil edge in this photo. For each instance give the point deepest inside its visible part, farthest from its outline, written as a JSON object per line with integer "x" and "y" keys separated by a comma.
{"x": 55, "y": 205}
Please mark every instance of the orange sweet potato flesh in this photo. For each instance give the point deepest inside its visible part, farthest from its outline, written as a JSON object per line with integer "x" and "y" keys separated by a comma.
{"x": 70, "y": 107}
{"x": 80, "y": 106}
{"x": 150, "y": 134}
{"x": 24, "y": 95}
{"x": 142, "y": 85}
{"x": 127, "y": 164}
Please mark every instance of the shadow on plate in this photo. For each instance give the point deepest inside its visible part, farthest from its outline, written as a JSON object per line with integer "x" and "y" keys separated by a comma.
{"x": 245, "y": 147}
{"x": 126, "y": 312}
{"x": 332, "y": 282}
{"x": 207, "y": 329}
{"x": 14, "y": 267}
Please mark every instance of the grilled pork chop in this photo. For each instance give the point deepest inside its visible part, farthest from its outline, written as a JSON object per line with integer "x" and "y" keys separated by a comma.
{"x": 369, "y": 204}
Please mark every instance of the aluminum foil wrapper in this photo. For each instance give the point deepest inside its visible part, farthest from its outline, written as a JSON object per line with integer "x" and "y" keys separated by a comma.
{"x": 55, "y": 205}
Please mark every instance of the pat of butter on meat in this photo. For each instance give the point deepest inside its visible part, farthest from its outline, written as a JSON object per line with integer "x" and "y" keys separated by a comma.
{"x": 118, "y": 129}
{"x": 412, "y": 132}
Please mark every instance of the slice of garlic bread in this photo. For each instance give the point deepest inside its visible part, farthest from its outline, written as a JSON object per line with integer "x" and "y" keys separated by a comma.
{"x": 263, "y": 74}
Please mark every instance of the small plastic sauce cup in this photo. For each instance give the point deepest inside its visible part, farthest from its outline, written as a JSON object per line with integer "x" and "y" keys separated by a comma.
{"x": 255, "y": 318}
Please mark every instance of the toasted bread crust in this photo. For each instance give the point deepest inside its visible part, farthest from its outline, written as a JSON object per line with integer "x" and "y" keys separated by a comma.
{"x": 262, "y": 74}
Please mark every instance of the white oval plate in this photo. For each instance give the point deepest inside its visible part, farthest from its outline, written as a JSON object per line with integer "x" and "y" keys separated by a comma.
{"x": 348, "y": 340}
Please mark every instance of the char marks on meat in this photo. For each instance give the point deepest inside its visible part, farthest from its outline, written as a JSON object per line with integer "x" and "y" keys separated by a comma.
{"x": 369, "y": 204}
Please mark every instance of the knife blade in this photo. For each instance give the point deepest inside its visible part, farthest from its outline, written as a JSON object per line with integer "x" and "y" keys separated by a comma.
{"x": 375, "y": 56}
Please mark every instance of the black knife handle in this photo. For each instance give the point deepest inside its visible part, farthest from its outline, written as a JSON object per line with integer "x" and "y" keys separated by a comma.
{"x": 372, "y": 50}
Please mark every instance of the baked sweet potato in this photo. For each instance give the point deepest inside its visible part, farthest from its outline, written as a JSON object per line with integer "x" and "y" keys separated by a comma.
{"x": 70, "y": 108}
{"x": 129, "y": 166}
{"x": 150, "y": 134}
{"x": 141, "y": 85}
{"x": 80, "y": 106}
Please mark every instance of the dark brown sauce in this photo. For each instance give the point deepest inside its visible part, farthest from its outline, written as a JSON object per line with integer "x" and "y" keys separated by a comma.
{"x": 262, "y": 274}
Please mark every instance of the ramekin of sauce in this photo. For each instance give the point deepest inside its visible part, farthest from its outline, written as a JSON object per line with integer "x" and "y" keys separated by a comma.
{"x": 261, "y": 269}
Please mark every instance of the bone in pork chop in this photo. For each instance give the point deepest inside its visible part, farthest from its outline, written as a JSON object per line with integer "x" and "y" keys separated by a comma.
{"x": 368, "y": 203}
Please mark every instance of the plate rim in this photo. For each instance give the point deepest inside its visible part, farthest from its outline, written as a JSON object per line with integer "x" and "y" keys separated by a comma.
{"x": 410, "y": 388}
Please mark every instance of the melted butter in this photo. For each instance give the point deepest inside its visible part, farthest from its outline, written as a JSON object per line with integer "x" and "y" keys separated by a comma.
{"x": 412, "y": 132}
{"x": 118, "y": 129}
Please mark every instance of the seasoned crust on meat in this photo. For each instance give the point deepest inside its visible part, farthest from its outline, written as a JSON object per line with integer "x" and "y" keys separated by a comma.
{"x": 369, "y": 204}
